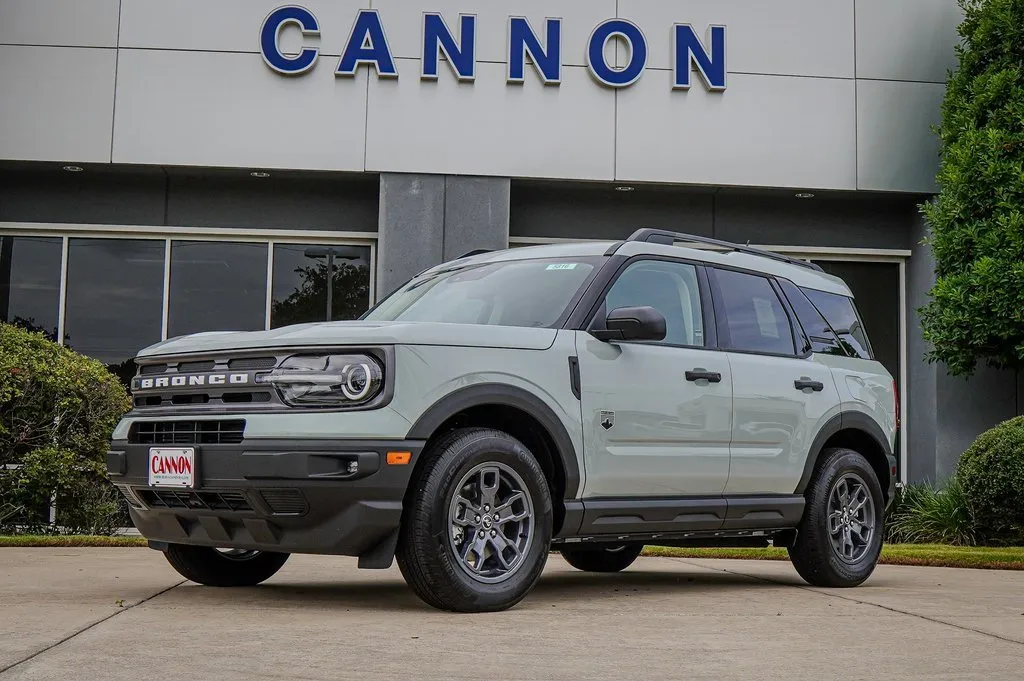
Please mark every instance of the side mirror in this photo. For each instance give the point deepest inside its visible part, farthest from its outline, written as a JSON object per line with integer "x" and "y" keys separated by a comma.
{"x": 632, "y": 324}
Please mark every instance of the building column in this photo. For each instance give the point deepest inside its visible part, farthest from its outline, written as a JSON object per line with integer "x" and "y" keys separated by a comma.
{"x": 920, "y": 418}
{"x": 428, "y": 219}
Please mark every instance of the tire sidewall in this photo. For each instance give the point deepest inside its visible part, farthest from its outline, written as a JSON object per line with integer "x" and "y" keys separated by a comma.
{"x": 453, "y": 463}
{"x": 842, "y": 463}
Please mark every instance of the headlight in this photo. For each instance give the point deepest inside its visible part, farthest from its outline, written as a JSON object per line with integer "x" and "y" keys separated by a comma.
{"x": 326, "y": 380}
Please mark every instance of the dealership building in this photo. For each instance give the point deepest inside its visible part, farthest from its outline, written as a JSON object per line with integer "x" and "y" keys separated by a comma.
{"x": 171, "y": 167}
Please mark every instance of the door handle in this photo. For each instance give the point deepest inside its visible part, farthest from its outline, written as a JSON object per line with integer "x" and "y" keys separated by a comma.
{"x": 701, "y": 374}
{"x": 803, "y": 384}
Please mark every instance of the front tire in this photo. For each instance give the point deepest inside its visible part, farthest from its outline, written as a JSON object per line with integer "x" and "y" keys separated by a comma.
{"x": 613, "y": 559}
{"x": 478, "y": 522}
{"x": 840, "y": 536}
{"x": 212, "y": 567}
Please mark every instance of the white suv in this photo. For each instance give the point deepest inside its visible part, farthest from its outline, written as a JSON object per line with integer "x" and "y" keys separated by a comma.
{"x": 587, "y": 397}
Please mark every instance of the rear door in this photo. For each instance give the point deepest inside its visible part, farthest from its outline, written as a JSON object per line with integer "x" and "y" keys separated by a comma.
{"x": 657, "y": 415}
{"x": 781, "y": 394}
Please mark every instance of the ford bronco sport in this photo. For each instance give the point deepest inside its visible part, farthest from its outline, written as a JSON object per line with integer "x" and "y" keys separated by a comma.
{"x": 588, "y": 398}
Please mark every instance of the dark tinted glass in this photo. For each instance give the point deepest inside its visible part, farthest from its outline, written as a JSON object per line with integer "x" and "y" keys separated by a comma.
{"x": 532, "y": 293}
{"x": 114, "y": 299}
{"x": 670, "y": 288}
{"x": 30, "y": 282}
{"x": 755, "y": 320}
{"x": 819, "y": 335}
{"x": 217, "y": 286}
{"x": 842, "y": 316}
{"x": 300, "y": 283}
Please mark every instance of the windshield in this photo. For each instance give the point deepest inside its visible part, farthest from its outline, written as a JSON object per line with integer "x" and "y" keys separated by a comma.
{"x": 510, "y": 293}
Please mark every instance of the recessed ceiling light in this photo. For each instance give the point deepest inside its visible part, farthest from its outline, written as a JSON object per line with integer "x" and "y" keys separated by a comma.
{"x": 73, "y": 169}
{"x": 624, "y": 188}
{"x": 804, "y": 195}
{"x": 259, "y": 173}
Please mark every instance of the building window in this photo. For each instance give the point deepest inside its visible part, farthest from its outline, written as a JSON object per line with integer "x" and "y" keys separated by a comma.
{"x": 114, "y": 299}
{"x": 217, "y": 286}
{"x": 300, "y": 283}
{"x": 30, "y": 282}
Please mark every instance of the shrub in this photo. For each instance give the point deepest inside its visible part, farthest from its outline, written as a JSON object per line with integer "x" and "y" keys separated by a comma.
{"x": 57, "y": 411}
{"x": 921, "y": 514}
{"x": 992, "y": 474}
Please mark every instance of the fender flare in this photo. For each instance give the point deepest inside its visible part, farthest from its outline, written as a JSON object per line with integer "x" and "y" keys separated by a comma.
{"x": 509, "y": 396}
{"x": 847, "y": 420}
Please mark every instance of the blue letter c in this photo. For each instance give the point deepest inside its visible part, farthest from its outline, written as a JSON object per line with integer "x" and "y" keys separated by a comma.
{"x": 272, "y": 25}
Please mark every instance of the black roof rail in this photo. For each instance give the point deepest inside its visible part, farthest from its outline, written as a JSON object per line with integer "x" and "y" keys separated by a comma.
{"x": 479, "y": 251}
{"x": 669, "y": 238}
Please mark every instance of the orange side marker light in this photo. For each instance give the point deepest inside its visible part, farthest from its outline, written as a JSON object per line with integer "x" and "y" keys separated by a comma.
{"x": 399, "y": 458}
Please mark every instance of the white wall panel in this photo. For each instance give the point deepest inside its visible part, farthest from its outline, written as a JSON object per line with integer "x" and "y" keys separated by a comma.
{"x": 57, "y": 103}
{"x": 489, "y": 128}
{"x": 906, "y": 39}
{"x": 217, "y": 109}
{"x": 77, "y": 23}
{"x": 763, "y": 131}
{"x": 230, "y": 25}
{"x": 896, "y": 149}
{"x": 403, "y": 23}
{"x": 783, "y": 37}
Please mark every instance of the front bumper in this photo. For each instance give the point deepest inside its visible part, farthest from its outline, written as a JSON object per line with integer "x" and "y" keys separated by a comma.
{"x": 286, "y": 495}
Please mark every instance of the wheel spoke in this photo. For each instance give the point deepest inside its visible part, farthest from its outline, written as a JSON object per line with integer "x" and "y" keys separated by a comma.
{"x": 490, "y": 478}
{"x": 860, "y": 498}
{"x": 507, "y": 513}
{"x": 862, "y": 531}
{"x": 501, "y": 544}
{"x": 843, "y": 490}
{"x": 835, "y": 522}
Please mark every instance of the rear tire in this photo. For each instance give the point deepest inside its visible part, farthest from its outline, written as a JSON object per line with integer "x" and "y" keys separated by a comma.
{"x": 840, "y": 536}
{"x": 452, "y": 551}
{"x": 210, "y": 567}
{"x": 613, "y": 559}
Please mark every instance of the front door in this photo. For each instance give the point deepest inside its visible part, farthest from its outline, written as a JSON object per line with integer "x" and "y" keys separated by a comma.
{"x": 657, "y": 415}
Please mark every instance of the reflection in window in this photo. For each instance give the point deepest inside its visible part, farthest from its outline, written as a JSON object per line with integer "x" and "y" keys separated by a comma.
{"x": 217, "y": 286}
{"x": 30, "y": 282}
{"x": 300, "y": 283}
{"x": 114, "y": 299}
{"x": 841, "y": 313}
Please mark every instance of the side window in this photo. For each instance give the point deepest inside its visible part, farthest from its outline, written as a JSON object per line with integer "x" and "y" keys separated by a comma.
{"x": 754, "y": 317}
{"x": 842, "y": 315}
{"x": 671, "y": 288}
{"x": 821, "y": 337}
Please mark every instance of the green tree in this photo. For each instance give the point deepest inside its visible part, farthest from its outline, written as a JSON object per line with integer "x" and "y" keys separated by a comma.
{"x": 976, "y": 308}
{"x": 308, "y": 302}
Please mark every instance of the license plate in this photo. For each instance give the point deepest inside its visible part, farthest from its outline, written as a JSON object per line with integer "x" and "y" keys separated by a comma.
{"x": 172, "y": 467}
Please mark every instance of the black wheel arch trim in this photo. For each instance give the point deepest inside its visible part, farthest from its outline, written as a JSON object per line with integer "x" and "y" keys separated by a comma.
{"x": 505, "y": 395}
{"x": 847, "y": 420}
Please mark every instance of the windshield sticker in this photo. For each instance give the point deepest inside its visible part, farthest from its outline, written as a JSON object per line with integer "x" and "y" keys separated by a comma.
{"x": 562, "y": 266}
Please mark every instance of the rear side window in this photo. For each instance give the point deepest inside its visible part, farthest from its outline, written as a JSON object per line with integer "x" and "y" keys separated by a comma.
{"x": 818, "y": 333}
{"x": 842, "y": 316}
{"x": 754, "y": 318}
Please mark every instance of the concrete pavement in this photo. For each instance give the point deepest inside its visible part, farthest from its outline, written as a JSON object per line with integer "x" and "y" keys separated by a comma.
{"x": 103, "y": 614}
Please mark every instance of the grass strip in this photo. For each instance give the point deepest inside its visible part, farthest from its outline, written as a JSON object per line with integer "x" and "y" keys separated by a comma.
{"x": 930, "y": 555}
{"x": 57, "y": 541}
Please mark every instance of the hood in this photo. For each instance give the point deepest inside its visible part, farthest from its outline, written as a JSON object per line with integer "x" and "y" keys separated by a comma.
{"x": 358, "y": 333}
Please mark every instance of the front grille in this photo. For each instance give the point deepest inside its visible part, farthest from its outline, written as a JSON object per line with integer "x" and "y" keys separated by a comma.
{"x": 285, "y": 501}
{"x": 251, "y": 363}
{"x": 187, "y": 432}
{"x": 225, "y": 500}
{"x": 184, "y": 386}
{"x": 199, "y": 366}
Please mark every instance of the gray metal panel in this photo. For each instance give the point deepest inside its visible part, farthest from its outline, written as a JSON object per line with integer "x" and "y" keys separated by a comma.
{"x": 896, "y": 149}
{"x": 57, "y": 103}
{"x": 96, "y": 196}
{"x": 411, "y": 228}
{"x": 777, "y": 37}
{"x": 333, "y": 204}
{"x": 920, "y": 419}
{"x": 488, "y": 127}
{"x": 231, "y": 25}
{"x": 218, "y": 109}
{"x": 476, "y": 214}
{"x": 966, "y": 408}
{"x": 764, "y": 131}
{"x": 600, "y": 212}
{"x": 403, "y": 23}
{"x": 907, "y": 39}
{"x": 72, "y": 23}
